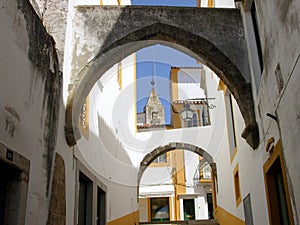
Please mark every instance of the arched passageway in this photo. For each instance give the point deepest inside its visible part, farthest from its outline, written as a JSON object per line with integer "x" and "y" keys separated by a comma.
{"x": 109, "y": 34}
{"x": 148, "y": 159}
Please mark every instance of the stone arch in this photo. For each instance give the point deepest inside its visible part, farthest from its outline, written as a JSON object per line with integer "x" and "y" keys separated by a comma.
{"x": 215, "y": 37}
{"x": 169, "y": 147}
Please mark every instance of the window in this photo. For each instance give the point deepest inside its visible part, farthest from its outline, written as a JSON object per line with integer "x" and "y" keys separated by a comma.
{"x": 248, "y": 210}
{"x": 195, "y": 120}
{"x": 205, "y": 116}
{"x": 161, "y": 158}
{"x": 237, "y": 189}
{"x": 256, "y": 33}
{"x": 206, "y": 172}
{"x": 155, "y": 118}
{"x": 160, "y": 209}
{"x": 230, "y": 124}
{"x": 190, "y": 121}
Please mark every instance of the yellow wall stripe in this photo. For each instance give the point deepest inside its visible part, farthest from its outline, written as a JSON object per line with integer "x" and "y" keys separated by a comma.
{"x": 224, "y": 217}
{"x": 211, "y": 3}
{"x": 130, "y": 219}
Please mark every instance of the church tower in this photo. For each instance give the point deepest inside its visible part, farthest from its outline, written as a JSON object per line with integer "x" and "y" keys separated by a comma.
{"x": 154, "y": 110}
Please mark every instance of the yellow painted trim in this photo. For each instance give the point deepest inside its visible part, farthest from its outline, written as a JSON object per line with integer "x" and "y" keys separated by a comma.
{"x": 179, "y": 164}
{"x": 222, "y": 86}
{"x": 170, "y": 208}
{"x": 237, "y": 187}
{"x": 119, "y": 75}
{"x": 132, "y": 218}
{"x": 199, "y": 117}
{"x": 101, "y": 2}
{"x": 206, "y": 181}
{"x": 277, "y": 153}
{"x": 224, "y": 217}
{"x": 214, "y": 190}
{"x": 178, "y": 180}
{"x": 233, "y": 154}
{"x": 174, "y": 83}
{"x": 269, "y": 143}
{"x": 175, "y": 206}
{"x": 211, "y": 4}
{"x": 175, "y": 117}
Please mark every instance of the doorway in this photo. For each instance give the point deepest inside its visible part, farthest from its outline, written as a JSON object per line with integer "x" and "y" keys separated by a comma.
{"x": 8, "y": 189}
{"x": 101, "y": 206}
{"x": 279, "y": 205}
{"x": 189, "y": 209}
{"x": 14, "y": 177}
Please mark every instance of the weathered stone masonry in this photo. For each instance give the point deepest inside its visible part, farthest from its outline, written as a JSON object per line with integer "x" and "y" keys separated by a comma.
{"x": 42, "y": 54}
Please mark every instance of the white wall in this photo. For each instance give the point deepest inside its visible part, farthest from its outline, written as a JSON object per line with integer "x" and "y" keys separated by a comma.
{"x": 102, "y": 151}
{"x": 23, "y": 90}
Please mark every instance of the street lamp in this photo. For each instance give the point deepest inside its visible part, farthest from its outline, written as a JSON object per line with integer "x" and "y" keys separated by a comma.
{"x": 187, "y": 114}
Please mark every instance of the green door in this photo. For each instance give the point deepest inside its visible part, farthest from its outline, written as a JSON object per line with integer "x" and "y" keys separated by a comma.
{"x": 189, "y": 209}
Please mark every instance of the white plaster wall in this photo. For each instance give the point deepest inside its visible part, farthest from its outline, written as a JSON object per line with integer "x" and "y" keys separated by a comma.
{"x": 250, "y": 174}
{"x": 280, "y": 44}
{"x": 225, "y": 182}
{"x": 191, "y": 161}
{"x": 157, "y": 175}
{"x": 189, "y": 84}
{"x": 102, "y": 151}
{"x": 201, "y": 208}
{"x": 22, "y": 88}
{"x": 224, "y": 4}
